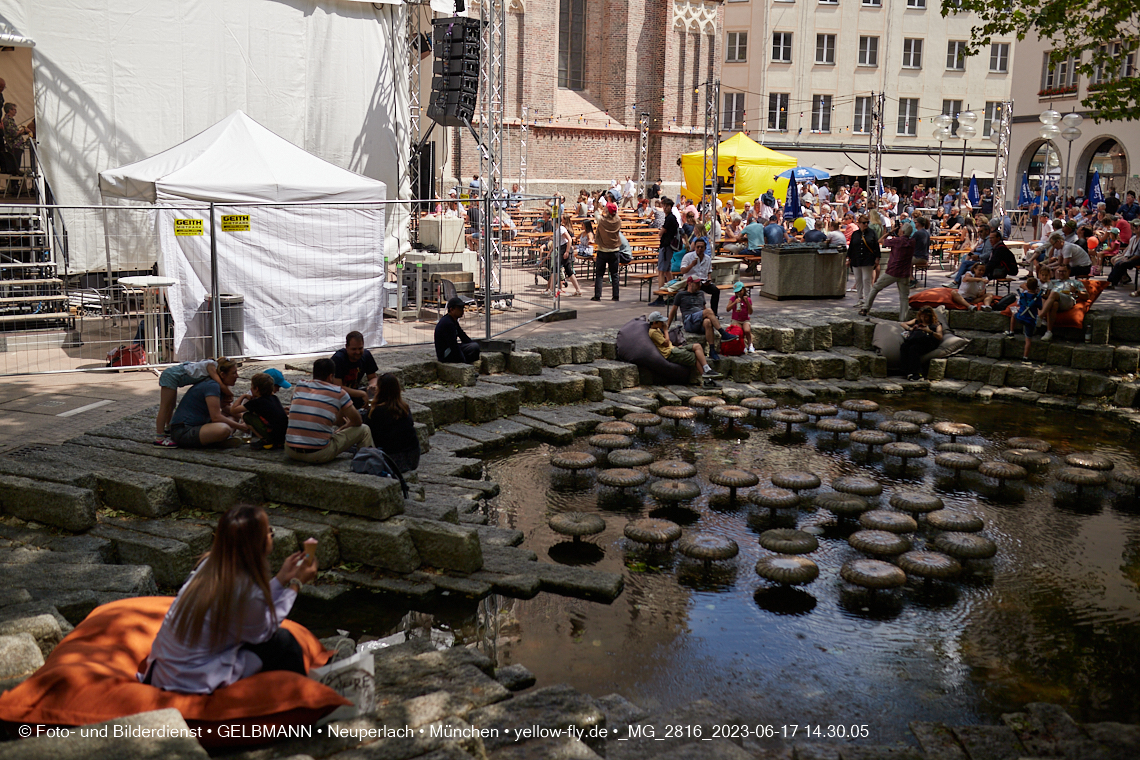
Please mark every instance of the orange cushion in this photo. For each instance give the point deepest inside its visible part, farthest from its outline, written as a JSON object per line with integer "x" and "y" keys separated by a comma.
{"x": 1075, "y": 317}
{"x": 934, "y": 297}
{"x": 90, "y": 678}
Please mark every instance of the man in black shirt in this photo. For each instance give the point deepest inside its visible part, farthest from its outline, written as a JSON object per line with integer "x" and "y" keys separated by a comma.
{"x": 1002, "y": 262}
{"x": 655, "y": 190}
{"x": 452, "y": 344}
{"x": 669, "y": 231}
{"x": 1111, "y": 201}
{"x": 355, "y": 366}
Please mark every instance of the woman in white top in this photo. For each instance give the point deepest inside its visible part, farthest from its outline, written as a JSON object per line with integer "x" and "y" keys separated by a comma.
{"x": 971, "y": 294}
{"x": 225, "y": 623}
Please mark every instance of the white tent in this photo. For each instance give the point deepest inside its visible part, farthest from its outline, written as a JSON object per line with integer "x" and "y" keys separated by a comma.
{"x": 308, "y": 274}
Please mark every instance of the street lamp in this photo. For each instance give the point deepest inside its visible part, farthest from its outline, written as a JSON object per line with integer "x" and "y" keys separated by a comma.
{"x": 966, "y": 131}
{"x": 941, "y": 132}
{"x": 1049, "y": 132}
{"x": 1071, "y": 132}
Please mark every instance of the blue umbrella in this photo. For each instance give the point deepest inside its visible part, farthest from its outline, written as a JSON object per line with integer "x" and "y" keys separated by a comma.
{"x": 792, "y": 203}
{"x": 803, "y": 173}
{"x": 973, "y": 194}
{"x": 1025, "y": 197}
{"x": 1096, "y": 195}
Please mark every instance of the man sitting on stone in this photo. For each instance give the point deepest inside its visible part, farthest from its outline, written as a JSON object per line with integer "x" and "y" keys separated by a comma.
{"x": 659, "y": 334}
{"x": 355, "y": 369}
{"x": 452, "y": 345}
{"x": 695, "y": 317}
{"x": 323, "y": 423}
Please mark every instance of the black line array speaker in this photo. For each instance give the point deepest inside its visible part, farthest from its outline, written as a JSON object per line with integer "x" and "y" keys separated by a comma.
{"x": 455, "y": 80}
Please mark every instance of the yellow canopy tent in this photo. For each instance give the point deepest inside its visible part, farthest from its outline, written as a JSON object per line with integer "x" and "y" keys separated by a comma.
{"x": 745, "y": 169}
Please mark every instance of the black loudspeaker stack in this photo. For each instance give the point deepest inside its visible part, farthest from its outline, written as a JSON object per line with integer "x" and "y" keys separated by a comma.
{"x": 455, "y": 80}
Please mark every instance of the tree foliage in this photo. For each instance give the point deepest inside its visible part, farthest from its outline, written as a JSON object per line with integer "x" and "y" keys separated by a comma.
{"x": 1082, "y": 30}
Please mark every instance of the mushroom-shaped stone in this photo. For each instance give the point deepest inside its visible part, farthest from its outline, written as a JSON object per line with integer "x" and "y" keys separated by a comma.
{"x": 642, "y": 420}
{"x": 957, "y": 462}
{"x": 904, "y": 451}
{"x": 788, "y": 541}
{"x": 870, "y": 438}
{"x": 879, "y": 543}
{"x": 795, "y": 480}
{"x": 676, "y": 413}
{"x": 898, "y": 428}
{"x": 622, "y": 478}
{"x": 705, "y": 402}
{"x": 615, "y": 427}
{"x": 872, "y": 574}
{"x": 674, "y": 490}
{"x": 708, "y": 548}
{"x": 629, "y": 458}
{"x": 759, "y": 405}
{"x": 918, "y": 418}
{"x": 891, "y": 522}
{"x": 788, "y": 417}
{"x": 960, "y": 448}
{"x": 965, "y": 545}
{"x": 573, "y": 460}
{"x": 773, "y": 498}
{"x": 836, "y": 426}
{"x": 730, "y": 412}
{"x": 1127, "y": 477}
{"x": 1081, "y": 477}
{"x": 915, "y": 502}
{"x": 1033, "y": 444}
{"x": 733, "y": 479}
{"x": 954, "y": 429}
{"x": 1027, "y": 458}
{"x": 787, "y": 570}
{"x": 856, "y": 485}
{"x": 1089, "y": 461}
{"x": 819, "y": 410}
{"x": 842, "y": 504}
{"x": 607, "y": 441}
{"x": 577, "y": 524}
{"x": 954, "y": 521}
{"x": 928, "y": 565}
{"x": 651, "y": 531}
{"x": 1003, "y": 471}
{"x": 859, "y": 406}
{"x": 672, "y": 469}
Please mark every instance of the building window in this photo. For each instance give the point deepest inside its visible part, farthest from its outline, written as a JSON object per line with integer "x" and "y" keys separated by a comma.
{"x": 829, "y": 2}
{"x": 993, "y": 117}
{"x": 821, "y": 113}
{"x": 825, "y": 48}
{"x": 572, "y": 44}
{"x": 778, "y": 111}
{"x": 1061, "y": 75}
{"x": 908, "y": 116}
{"x": 737, "y": 47}
{"x": 999, "y": 57}
{"x": 952, "y": 108}
{"x": 873, "y": 3}
{"x": 862, "y": 115}
{"x": 955, "y": 55}
{"x": 733, "y": 111}
{"x": 782, "y": 47}
{"x": 912, "y": 54}
{"x": 1127, "y": 60}
{"x": 868, "y": 51}
{"x": 916, "y": 4}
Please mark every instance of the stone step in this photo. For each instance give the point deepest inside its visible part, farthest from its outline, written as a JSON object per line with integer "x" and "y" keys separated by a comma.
{"x": 138, "y": 491}
{"x": 578, "y": 422}
{"x": 543, "y": 432}
{"x": 53, "y": 504}
{"x": 34, "y": 470}
{"x": 443, "y": 545}
{"x": 170, "y": 560}
{"x": 328, "y": 547}
{"x": 133, "y": 580}
{"x": 494, "y": 434}
{"x": 446, "y": 406}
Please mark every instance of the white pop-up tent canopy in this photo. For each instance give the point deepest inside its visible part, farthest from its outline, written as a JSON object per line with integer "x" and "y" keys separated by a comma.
{"x": 308, "y": 274}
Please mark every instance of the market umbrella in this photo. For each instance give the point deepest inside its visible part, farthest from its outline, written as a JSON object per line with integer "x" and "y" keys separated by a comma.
{"x": 792, "y": 203}
{"x": 804, "y": 173}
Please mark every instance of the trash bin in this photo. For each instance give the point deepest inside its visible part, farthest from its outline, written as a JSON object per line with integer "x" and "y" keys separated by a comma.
{"x": 233, "y": 323}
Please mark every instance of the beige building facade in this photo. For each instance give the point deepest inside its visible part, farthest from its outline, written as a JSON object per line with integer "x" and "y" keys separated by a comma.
{"x": 800, "y": 76}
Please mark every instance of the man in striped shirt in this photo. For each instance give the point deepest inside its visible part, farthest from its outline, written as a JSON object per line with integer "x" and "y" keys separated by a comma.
{"x": 322, "y": 420}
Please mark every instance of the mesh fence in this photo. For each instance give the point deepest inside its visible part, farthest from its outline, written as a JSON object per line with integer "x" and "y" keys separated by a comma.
{"x": 259, "y": 280}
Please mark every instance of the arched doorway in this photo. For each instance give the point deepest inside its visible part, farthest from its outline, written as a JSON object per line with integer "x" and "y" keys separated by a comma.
{"x": 1033, "y": 164}
{"x": 1110, "y": 160}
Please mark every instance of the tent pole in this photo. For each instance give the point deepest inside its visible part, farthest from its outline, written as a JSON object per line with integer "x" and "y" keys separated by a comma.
{"x": 485, "y": 228}
{"x": 107, "y": 244}
{"x": 215, "y": 301}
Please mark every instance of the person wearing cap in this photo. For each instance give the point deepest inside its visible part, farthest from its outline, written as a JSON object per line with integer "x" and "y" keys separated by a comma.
{"x": 452, "y": 346}
{"x": 262, "y": 410}
{"x": 355, "y": 369}
{"x": 659, "y": 334}
{"x": 698, "y": 263}
{"x": 608, "y": 237}
{"x": 740, "y": 312}
{"x": 695, "y": 318}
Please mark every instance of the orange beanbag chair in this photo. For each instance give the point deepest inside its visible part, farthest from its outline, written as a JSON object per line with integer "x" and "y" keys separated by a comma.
{"x": 1075, "y": 317}
{"x": 90, "y": 678}
{"x": 934, "y": 297}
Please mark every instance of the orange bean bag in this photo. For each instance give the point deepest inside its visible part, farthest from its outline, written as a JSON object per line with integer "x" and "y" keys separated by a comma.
{"x": 934, "y": 297}
{"x": 1075, "y": 317}
{"x": 90, "y": 678}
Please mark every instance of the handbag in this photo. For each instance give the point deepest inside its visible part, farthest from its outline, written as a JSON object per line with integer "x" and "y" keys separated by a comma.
{"x": 133, "y": 355}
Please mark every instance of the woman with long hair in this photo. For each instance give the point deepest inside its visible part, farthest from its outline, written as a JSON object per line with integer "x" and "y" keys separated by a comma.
{"x": 225, "y": 623}
{"x": 390, "y": 421}
{"x": 923, "y": 335}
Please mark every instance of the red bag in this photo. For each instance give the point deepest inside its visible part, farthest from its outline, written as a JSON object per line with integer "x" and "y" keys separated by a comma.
{"x": 127, "y": 356}
{"x": 733, "y": 347}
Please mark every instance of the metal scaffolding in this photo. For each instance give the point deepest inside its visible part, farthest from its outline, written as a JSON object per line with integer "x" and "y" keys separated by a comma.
{"x": 710, "y": 182}
{"x": 643, "y": 154}
{"x": 415, "y": 39}
{"x": 875, "y": 150}
{"x": 492, "y": 87}
{"x": 522, "y": 152}
{"x": 1001, "y": 162}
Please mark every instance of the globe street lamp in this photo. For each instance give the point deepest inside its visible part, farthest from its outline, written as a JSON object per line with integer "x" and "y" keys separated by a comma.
{"x": 941, "y": 132}
{"x": 966, "y": 131}
{"x": 1071, "y": 122}
{"x": 1049, "y": 132}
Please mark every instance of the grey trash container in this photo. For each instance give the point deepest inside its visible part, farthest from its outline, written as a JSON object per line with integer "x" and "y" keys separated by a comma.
{"x": 233, "y": 323}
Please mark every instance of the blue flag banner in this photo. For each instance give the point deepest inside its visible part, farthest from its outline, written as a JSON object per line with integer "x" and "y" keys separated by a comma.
{"x": 792, "y": 203}
{"x": 1025, "y": 197}
{"x": 973, "y": 194}
{"x": 1096, "y": 195}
